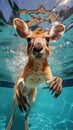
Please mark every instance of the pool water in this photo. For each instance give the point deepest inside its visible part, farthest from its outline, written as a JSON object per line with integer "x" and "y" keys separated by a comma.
{"x": 47, "y": 113}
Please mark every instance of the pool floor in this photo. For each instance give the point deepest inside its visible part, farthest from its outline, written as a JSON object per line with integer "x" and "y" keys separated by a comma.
{"x": 47, "y": 113}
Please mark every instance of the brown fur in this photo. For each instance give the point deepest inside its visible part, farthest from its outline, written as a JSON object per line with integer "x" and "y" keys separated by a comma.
{"x": 37, "y": 69}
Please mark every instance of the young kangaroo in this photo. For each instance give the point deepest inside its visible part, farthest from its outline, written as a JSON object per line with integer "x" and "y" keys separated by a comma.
{"x": 36, "y": 69}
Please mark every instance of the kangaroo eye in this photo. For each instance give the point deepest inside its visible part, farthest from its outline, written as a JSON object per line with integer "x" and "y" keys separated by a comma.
{"x": 29, "y": 39}
{"x": 47, "y": 39}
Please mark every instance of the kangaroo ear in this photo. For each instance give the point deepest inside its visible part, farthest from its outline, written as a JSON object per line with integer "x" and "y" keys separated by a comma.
{"x": 56, "y": 31}
{"x": 21, "y": 27}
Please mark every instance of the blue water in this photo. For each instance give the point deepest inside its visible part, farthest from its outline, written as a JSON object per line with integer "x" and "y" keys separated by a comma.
{"x": 47, "y": 113}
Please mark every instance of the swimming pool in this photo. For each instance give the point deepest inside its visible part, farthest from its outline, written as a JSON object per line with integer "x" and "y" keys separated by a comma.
{"x": 47, "y": 113}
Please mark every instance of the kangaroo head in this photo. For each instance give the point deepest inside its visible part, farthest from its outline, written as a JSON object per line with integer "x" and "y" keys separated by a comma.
{"x": 38, "y": 41}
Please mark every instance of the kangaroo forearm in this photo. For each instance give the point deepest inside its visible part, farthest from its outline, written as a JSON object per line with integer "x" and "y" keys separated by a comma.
{"x": 19, "y": 85}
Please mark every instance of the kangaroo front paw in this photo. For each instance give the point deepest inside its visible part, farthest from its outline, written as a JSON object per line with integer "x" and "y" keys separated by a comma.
{"x": 56, "y": 86}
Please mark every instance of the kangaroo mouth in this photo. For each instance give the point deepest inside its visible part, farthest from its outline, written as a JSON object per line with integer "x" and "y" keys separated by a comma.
{"x": 38, "y": 56}
{"x": 38, "y": 53}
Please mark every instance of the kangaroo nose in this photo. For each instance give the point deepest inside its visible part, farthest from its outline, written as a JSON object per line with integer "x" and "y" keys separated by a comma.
{"x": 38, "y": 47}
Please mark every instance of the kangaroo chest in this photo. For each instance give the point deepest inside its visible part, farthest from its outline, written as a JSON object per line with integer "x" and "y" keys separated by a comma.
{"x": 34, "y": 79}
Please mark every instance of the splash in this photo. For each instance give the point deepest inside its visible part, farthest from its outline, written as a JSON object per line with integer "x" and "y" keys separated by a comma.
{"x": 18, "y": 62}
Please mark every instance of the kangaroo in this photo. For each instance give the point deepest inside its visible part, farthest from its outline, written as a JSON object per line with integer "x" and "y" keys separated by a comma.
{"x": 37, "y": 69}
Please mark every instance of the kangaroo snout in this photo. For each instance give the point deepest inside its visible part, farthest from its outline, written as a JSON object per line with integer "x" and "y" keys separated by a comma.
{"x": 38, "y": 50}
{"x": 38, "y": 47}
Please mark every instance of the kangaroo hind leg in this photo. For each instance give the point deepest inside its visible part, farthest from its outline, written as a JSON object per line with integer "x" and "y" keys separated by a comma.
{"x": 12, "y": 115}
{"x": 31, "y": 98}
